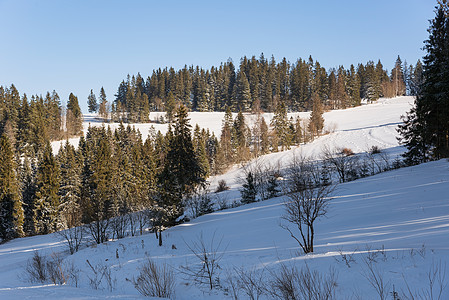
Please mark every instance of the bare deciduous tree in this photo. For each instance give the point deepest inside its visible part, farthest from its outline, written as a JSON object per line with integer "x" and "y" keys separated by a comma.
{"x": 306, "y": 202}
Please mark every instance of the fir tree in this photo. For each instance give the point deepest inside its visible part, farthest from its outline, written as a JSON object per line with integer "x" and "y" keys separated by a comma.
{"x": 74, "y": 120}
{"x": 249, "y": 191}
{"x": 425, "y": 131}
{"x": 47, "y": 197}
{"x": 316, "y": 122}
{"x": 11, "y": 211}
{"x": 103, "y": 109}
{"x": 182, "y": 171}
{"x": 70, "y": 185}
{"x": 92, "y": 102}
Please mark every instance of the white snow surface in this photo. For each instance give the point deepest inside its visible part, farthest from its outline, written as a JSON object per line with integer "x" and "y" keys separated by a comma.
{"x": 400, "y": 217}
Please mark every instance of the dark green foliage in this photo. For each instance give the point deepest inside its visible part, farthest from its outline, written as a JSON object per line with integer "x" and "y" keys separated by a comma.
{"x": 273, "y": 188}
{"x": 70, "y": 165}
{"x": 425, "y": 131}
{"x": 182, "y": 171}
{"x": 11, "y": 211}
{"x": 248, "y": 191}
{"x": 316, "y": 122}
{"x": 46, "y": 215}
{"x": 92, "y": 102}
{"x": 74, "y": 120}
{"x": 257, "y": 82}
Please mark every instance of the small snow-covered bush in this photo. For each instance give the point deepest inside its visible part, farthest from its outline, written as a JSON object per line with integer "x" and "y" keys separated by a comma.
{"x": 155, "y": 281}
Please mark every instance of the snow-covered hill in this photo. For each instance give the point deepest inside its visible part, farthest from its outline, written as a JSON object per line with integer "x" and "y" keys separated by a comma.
{"x": 397, "y": 222}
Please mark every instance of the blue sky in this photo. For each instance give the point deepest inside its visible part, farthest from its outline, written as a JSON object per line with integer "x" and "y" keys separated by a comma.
{"x": 75, "y": 46}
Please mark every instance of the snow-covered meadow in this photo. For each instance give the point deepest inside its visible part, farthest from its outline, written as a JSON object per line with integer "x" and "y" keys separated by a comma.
{"x": 394, "y": 225}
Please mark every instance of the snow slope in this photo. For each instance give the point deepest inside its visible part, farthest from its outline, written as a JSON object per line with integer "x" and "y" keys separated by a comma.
{"x": 399, "y": 219}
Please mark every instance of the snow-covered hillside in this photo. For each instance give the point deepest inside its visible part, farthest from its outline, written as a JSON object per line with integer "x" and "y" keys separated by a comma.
{"x": 395, "y": 224}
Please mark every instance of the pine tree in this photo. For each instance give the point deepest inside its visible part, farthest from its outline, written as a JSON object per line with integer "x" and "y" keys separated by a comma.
{"x": 11, "y": 210}
{"x": 316, "y": 122}
{"x": 92, "y": 102}
{"x": 47, "y": 197}
{"x": 249, "y": 191}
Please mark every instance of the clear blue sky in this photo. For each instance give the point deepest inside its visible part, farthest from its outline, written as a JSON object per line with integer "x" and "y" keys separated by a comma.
{"x": 75, "y": 46}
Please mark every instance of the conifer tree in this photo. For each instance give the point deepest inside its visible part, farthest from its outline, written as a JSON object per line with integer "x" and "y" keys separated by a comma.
{"x": 316, "y": 122}
{"x": 11, "y": 210}
{"x": 103, "y": 109}
{"x": 249, "y": 191}
{"x": 280, "y": 126}
{"x": 70, "y": 185}
{"x": 74, "y": 121}
{"x": 170, "y": 106}
{"x": 28, "y": 190}
{"x": 182, "y": 171}
{"x": 425, "y": 131}
{"x": 92, "y": 102}
{"x": 47, "y": 197}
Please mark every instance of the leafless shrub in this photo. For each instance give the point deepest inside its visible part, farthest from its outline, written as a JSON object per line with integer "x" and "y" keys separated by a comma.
{"x": 199, "y": 202}
{"x": 222, "y": 202}
{"x": 347, "y": 258}
{"x": 342, "y": 161}
{"x": 436, "y": 279}
{"x": 232, "y": 285}
{"x": 376, "y": 278}
{"x": 251, "y": 282}
{"x": 155, "y": 281}
{"x": 36, "y": 269}
{"x": 99, "y": 230}
{"x": 222, "y": 186}
{"x": 74, "y": 237}
{"x": 119, "y": 226}
{"x": 43, "y": 269}
{"x": 290, "y": 283}
{"x": 56, "y": 269}
{"x": 262, "y": 173}
{"x": 206, "y": 269}
{"x": 101, "y": 273}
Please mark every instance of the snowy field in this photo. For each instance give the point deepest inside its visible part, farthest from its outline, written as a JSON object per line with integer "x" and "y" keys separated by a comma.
{"x": 395, "y": 224}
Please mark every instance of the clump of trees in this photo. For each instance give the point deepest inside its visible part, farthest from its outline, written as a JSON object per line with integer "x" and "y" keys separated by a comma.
{"x": 261, "y": 83}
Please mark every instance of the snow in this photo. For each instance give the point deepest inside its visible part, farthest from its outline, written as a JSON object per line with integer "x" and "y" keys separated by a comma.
{"x": 399, "y": 219}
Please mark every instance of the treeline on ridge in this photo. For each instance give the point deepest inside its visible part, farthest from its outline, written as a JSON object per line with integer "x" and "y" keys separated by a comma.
{"x": 263, "y": 83}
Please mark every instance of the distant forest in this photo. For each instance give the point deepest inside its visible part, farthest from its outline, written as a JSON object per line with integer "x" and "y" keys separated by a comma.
{"x": 261, "y": 84}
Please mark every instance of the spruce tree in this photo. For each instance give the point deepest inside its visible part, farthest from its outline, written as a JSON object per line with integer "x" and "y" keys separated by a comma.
{"x": 316, "y": 122}
{"x": 70, "y": 185}
{"x": 425, "y": 131}
{"x": 249, "y": 191}
{"x": 103, "y": 110}
{"x": 92, "y": 102}
{"x": 74, "y": 120}
{"x": 47, "y": 199}
{"x": 11, "y": 210}
{"x": 182, "y": 171}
